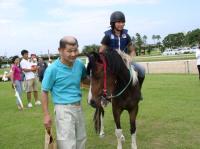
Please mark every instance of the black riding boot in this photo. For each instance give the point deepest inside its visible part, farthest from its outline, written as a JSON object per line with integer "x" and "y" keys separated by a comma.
{"x": 141, "y": 80}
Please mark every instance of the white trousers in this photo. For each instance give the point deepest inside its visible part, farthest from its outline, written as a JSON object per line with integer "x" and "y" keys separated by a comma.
{"x": 70, "y": 127}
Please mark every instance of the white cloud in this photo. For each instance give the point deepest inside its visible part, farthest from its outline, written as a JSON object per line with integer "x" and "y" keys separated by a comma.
{"x": 10, "y": 4}
{"x": 56, "y": 12}
{"x": 11, "y": 9}
{"x": 81, "y": 17}
{"x": 5, "y": 21}
{"x": 100, "y": 3}
{"x": 45, "y": 35}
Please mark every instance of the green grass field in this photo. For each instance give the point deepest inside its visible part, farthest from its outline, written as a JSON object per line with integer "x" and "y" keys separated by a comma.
{"x": 168, "y": 118}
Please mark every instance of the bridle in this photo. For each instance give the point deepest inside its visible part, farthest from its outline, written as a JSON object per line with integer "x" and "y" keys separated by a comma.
{"x": 105, "y": 97}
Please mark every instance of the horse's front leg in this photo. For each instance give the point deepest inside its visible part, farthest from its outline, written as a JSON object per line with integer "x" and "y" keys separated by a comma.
{"x": 101, "y": 134}
{"x": 118, "y": 131}
{"x": 133, "y": 115}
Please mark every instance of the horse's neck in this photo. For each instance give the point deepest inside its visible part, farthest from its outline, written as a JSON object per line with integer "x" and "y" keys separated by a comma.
{"x": 125, "y": 57}
{"x": 127, "y": 60}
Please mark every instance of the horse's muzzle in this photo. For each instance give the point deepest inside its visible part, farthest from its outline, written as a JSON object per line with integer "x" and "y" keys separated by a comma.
{"x": 93, "y": 103}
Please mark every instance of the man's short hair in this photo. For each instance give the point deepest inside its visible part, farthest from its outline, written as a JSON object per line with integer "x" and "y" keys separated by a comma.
{"x": 65, "y": 41}
{"x": 24, "y": 52}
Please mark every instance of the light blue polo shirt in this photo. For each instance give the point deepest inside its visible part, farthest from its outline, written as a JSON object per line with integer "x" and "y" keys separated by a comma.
{"x": 64, "y": 81}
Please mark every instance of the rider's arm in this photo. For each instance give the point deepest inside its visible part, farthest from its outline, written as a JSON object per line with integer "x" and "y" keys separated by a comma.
{"x": 130, "y": 47}
{"x": 132, "y": 50}
{"x": 102, "y": 48}
{"x": 104, "y": 44}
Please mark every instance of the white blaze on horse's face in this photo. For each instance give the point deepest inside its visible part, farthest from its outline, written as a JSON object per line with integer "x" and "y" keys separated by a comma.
{"x": 89, "y": 94}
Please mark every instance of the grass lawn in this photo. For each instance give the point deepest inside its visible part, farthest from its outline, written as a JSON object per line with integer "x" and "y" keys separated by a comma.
{"x": 2, "y": 70}
{"x": 168, "y": 118}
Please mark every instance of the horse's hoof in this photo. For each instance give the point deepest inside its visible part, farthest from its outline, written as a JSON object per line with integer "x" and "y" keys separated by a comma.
{"x": 133, "y": 146}
{"x": 101, "y": 135}
{"x": 122, "y": 139}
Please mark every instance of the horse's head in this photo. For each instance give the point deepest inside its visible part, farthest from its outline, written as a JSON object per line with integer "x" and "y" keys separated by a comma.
{"x": 109, "y": 75}
{"x": 101, "y": 80}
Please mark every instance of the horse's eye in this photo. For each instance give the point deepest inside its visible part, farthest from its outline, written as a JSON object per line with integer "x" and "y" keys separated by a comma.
{"x": 96, "y": 76}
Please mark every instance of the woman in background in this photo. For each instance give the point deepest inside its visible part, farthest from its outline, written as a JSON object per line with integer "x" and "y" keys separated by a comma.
{"x": 16, "y": 78}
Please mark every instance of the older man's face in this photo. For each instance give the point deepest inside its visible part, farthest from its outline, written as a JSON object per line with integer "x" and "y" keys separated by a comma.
{"x": 69, "y": 53}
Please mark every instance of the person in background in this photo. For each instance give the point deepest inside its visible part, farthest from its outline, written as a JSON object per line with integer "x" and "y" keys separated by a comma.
{"x": 50, "y": 62}
{"x": 63, "y": 78}
{"x": 16, "y": 78}
{"x": 31, "y": 80}
{"x": 5, "y": 76}
{"x": 42, "y": 65}
{"x": 198, "y": 59}
{"x": 33, "y": 61}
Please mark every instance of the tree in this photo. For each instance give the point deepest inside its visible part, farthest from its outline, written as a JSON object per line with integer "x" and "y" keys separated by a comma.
{"x": 158, "y": 38}
{"x": 90, "y": 48}
{"x": 133, "y": 40}
{"x": 174, "y": 40}
{"x": 138, "y": 44}
{"x": 192, "y": 37}
{"x": 144, "y": 38}
{"x": 154, "y": 38}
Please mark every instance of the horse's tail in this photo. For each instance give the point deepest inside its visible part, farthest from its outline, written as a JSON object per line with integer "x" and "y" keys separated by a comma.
{"x": 97, "y": 118}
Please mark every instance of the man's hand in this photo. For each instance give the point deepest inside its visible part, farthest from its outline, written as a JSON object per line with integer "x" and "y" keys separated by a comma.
{"x": 13, "y": 85}
{"x": 47, "y": 121}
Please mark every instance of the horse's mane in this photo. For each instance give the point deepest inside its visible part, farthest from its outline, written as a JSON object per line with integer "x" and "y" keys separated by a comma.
{"x": 128, "y": 60}
{"x": 116, "y": 64}
{"x": 120, "y": 64}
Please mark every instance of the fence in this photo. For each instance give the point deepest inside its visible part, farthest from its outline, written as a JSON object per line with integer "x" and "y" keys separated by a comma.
{"x": 177, "y": 66}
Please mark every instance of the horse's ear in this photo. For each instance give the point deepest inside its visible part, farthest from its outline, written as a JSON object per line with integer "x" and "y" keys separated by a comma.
{"x": 85, "y": 54}
{"x": 97, "y": 57}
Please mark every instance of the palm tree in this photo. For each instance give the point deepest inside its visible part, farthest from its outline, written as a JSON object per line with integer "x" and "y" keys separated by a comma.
{"x": 158, "y": 41}
{"x": 138, "y": 43}
{"x": 144, "y": 38}
{"x": 154, "y": 37}
{"x": 158, "y": 37}
{"x": 133, "y": 40}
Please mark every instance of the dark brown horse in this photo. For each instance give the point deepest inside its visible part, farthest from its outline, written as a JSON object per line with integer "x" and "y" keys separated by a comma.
{"x": 114, "y": 79}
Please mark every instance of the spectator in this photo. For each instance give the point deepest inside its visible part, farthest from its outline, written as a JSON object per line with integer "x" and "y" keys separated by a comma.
{"x": 42, "y": 65}
{"x": 31, "y": 81}
{"x": 50, "y": 62}
{"x": 33, "y": 61}
{"x": 198, "y": 59}
{"x": 16, "y": 78}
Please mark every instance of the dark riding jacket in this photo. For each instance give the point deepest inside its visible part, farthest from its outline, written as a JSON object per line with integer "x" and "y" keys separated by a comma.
{"x": 115, "y": 42}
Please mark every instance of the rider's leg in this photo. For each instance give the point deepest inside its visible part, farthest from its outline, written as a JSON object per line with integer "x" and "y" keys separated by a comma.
{"x": 141, "y": 73}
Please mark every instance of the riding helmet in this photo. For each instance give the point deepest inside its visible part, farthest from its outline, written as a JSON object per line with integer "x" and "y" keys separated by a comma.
{"x": 117, "y": 16}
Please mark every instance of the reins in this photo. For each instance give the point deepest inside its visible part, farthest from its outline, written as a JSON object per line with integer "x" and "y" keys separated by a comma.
{"x": 118, "y": 94}
{"x": 105, "y": 96}
{"x": 105, "y": 75}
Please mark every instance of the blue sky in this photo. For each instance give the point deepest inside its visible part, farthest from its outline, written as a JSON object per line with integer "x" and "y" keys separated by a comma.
{"x": 38, "y": 25}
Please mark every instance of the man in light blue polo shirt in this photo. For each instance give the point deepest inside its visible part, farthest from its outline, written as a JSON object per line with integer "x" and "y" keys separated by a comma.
{"x": 63, "y": 80}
